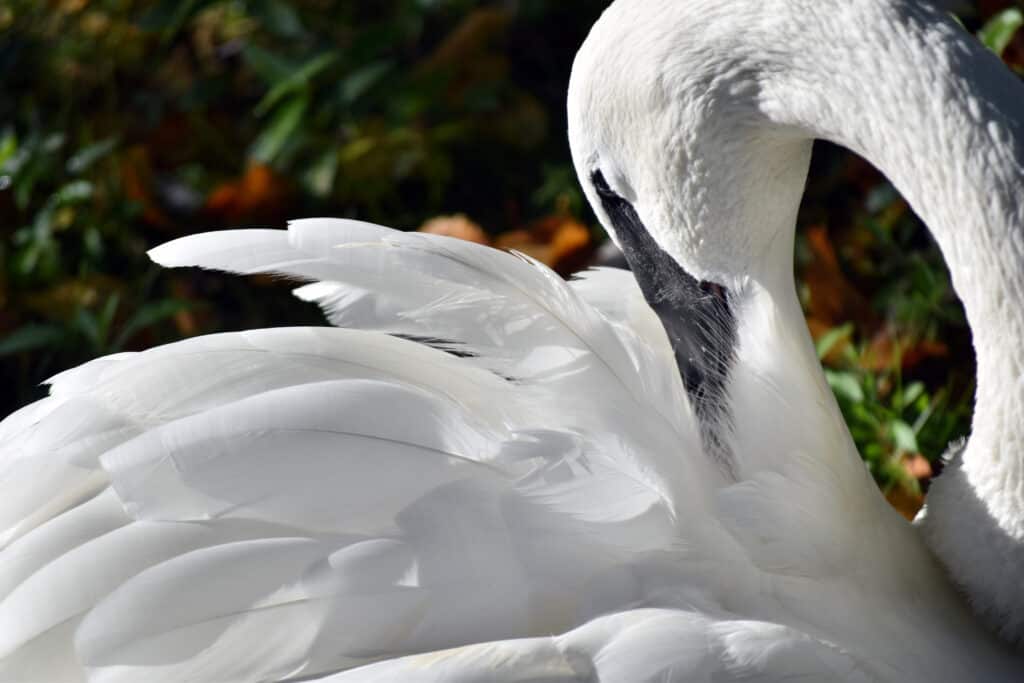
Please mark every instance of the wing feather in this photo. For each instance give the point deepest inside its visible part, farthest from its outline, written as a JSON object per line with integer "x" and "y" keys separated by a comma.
{"x": 321, "y": 499}
{"x": 515, "y": 312}
{"x": 667, "y": 646}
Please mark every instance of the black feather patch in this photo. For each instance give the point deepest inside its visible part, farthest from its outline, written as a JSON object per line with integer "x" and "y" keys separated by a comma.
{"x": 696, "y": 316}
{"x": 449, "y": 346}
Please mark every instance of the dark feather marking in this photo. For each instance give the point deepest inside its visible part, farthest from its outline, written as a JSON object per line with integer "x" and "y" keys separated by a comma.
{"x": 453, "y": 348}
{"x": 696, "y": 316}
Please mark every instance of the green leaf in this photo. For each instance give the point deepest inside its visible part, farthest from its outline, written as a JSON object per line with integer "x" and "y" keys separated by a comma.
{"x": 998, "y": 31}
{"x": 73, "y": 192}
{"x": 845, "y": 386}
{"x": 357, "y": 83}
{"x": 31, "y": 337}
{"x": 107, "y": 313}
{"x": 357, "y": 148}
{"x": 147, "y": 316}
{"x": 833, "y": 337}
{"x": 53, "y": 142}
{"x": 24, "y": 182}
{"x": 278, "y": 17}
{"x": 267, "y": 65}
{"x": 282, "y": 126}
{"x": 85, "y": 323}
{"x": 319, "y": 179}
{"x": 912, "y": 392}
{"x": 8, "y": 146}
{"x": 903, "y": 436}
{"x": 39, "y": 258}
{"x": 893, "y": 473}
{"x": 296, "y": 80}
{"x": 95, "y": 327}
{"x": 70, "y": 193}
{"x": 874, "y": 452}
{"x": 87, "y": 156}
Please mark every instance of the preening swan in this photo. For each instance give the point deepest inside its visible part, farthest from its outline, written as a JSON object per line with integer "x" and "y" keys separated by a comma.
{"x": 612, "y": 479}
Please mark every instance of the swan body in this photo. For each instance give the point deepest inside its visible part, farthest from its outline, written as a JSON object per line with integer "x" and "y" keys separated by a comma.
{"x": 480, "y": 455}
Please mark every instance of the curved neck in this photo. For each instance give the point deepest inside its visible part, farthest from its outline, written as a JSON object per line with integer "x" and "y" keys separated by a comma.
{"x": 944, "y": 120}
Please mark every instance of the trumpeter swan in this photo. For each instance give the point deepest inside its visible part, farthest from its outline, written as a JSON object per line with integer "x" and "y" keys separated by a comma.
{"x": 679, "y": 501}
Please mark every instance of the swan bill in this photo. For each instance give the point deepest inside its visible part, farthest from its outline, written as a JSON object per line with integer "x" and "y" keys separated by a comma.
{"x": 697, "y": 317}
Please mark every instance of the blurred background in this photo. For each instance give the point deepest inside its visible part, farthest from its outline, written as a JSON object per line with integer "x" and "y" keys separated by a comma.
{"x": 126, "y": 123}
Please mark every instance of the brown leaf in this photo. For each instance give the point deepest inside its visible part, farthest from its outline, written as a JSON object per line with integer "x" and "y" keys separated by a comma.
{"x": 888, "y": 343}
{"x": 917, "y": 466}
{"x": 833, "y": 299}
{"x": 571, "y": 247}
{"x": 458, "y": 225}
{"x": 560, "y": 242}
{"x": 906, "y": 502}
{"x": 909, "y": 502}
{"x": 524, "y": 241}
{"x": 71, "y": 6}
{"x": 259, "y": 193}
{"x": 186, "y": 321}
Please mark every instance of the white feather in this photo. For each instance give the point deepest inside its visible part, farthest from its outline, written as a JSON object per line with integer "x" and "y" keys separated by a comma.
{"x": 642, "y": 645}
{"x": 523, "y": 319}
{"x": 287, "y": 504}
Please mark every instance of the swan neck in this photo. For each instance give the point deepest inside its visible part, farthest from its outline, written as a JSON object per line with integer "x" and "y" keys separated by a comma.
{"x": 944, "y": 120}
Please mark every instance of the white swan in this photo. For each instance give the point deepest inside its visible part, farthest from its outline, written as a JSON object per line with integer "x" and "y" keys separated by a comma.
{"x": 282, "y": 504}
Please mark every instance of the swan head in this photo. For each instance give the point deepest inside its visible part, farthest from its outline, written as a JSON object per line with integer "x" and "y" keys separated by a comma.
{"x": 665, "y": 114}
{"x": 671, "y": 147}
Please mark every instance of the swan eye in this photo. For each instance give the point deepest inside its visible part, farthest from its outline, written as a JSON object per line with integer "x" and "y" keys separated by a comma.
{"x": 696, "y": 314}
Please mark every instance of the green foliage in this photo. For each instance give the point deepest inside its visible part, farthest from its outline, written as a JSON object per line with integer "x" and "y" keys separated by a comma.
{"x": 903, "y": 374}
{"x": 890, "y": 418}
{"x": 125, "y": 123}
{"x": 998, "y": 31}
{"x": 96, "y": 330}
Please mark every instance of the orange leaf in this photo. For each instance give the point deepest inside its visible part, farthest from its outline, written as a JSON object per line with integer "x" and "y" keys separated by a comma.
{"x": 917, "y": 466}
{"x": 560, "y": 242}
{"x": 881, "y": 353}
{"x": 906, "y": 503}
{"x": 259, "y": 193}
{"x": 833, "y": 299}
{"x": 570, "y": 247}
{"x": 456, "y": 226}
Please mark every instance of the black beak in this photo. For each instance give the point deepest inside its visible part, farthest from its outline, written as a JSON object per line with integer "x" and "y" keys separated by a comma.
{"x": 696, "y": 316}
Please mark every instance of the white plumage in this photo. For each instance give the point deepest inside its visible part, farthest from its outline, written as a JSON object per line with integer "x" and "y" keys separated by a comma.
{"x": 350, "y": 505}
